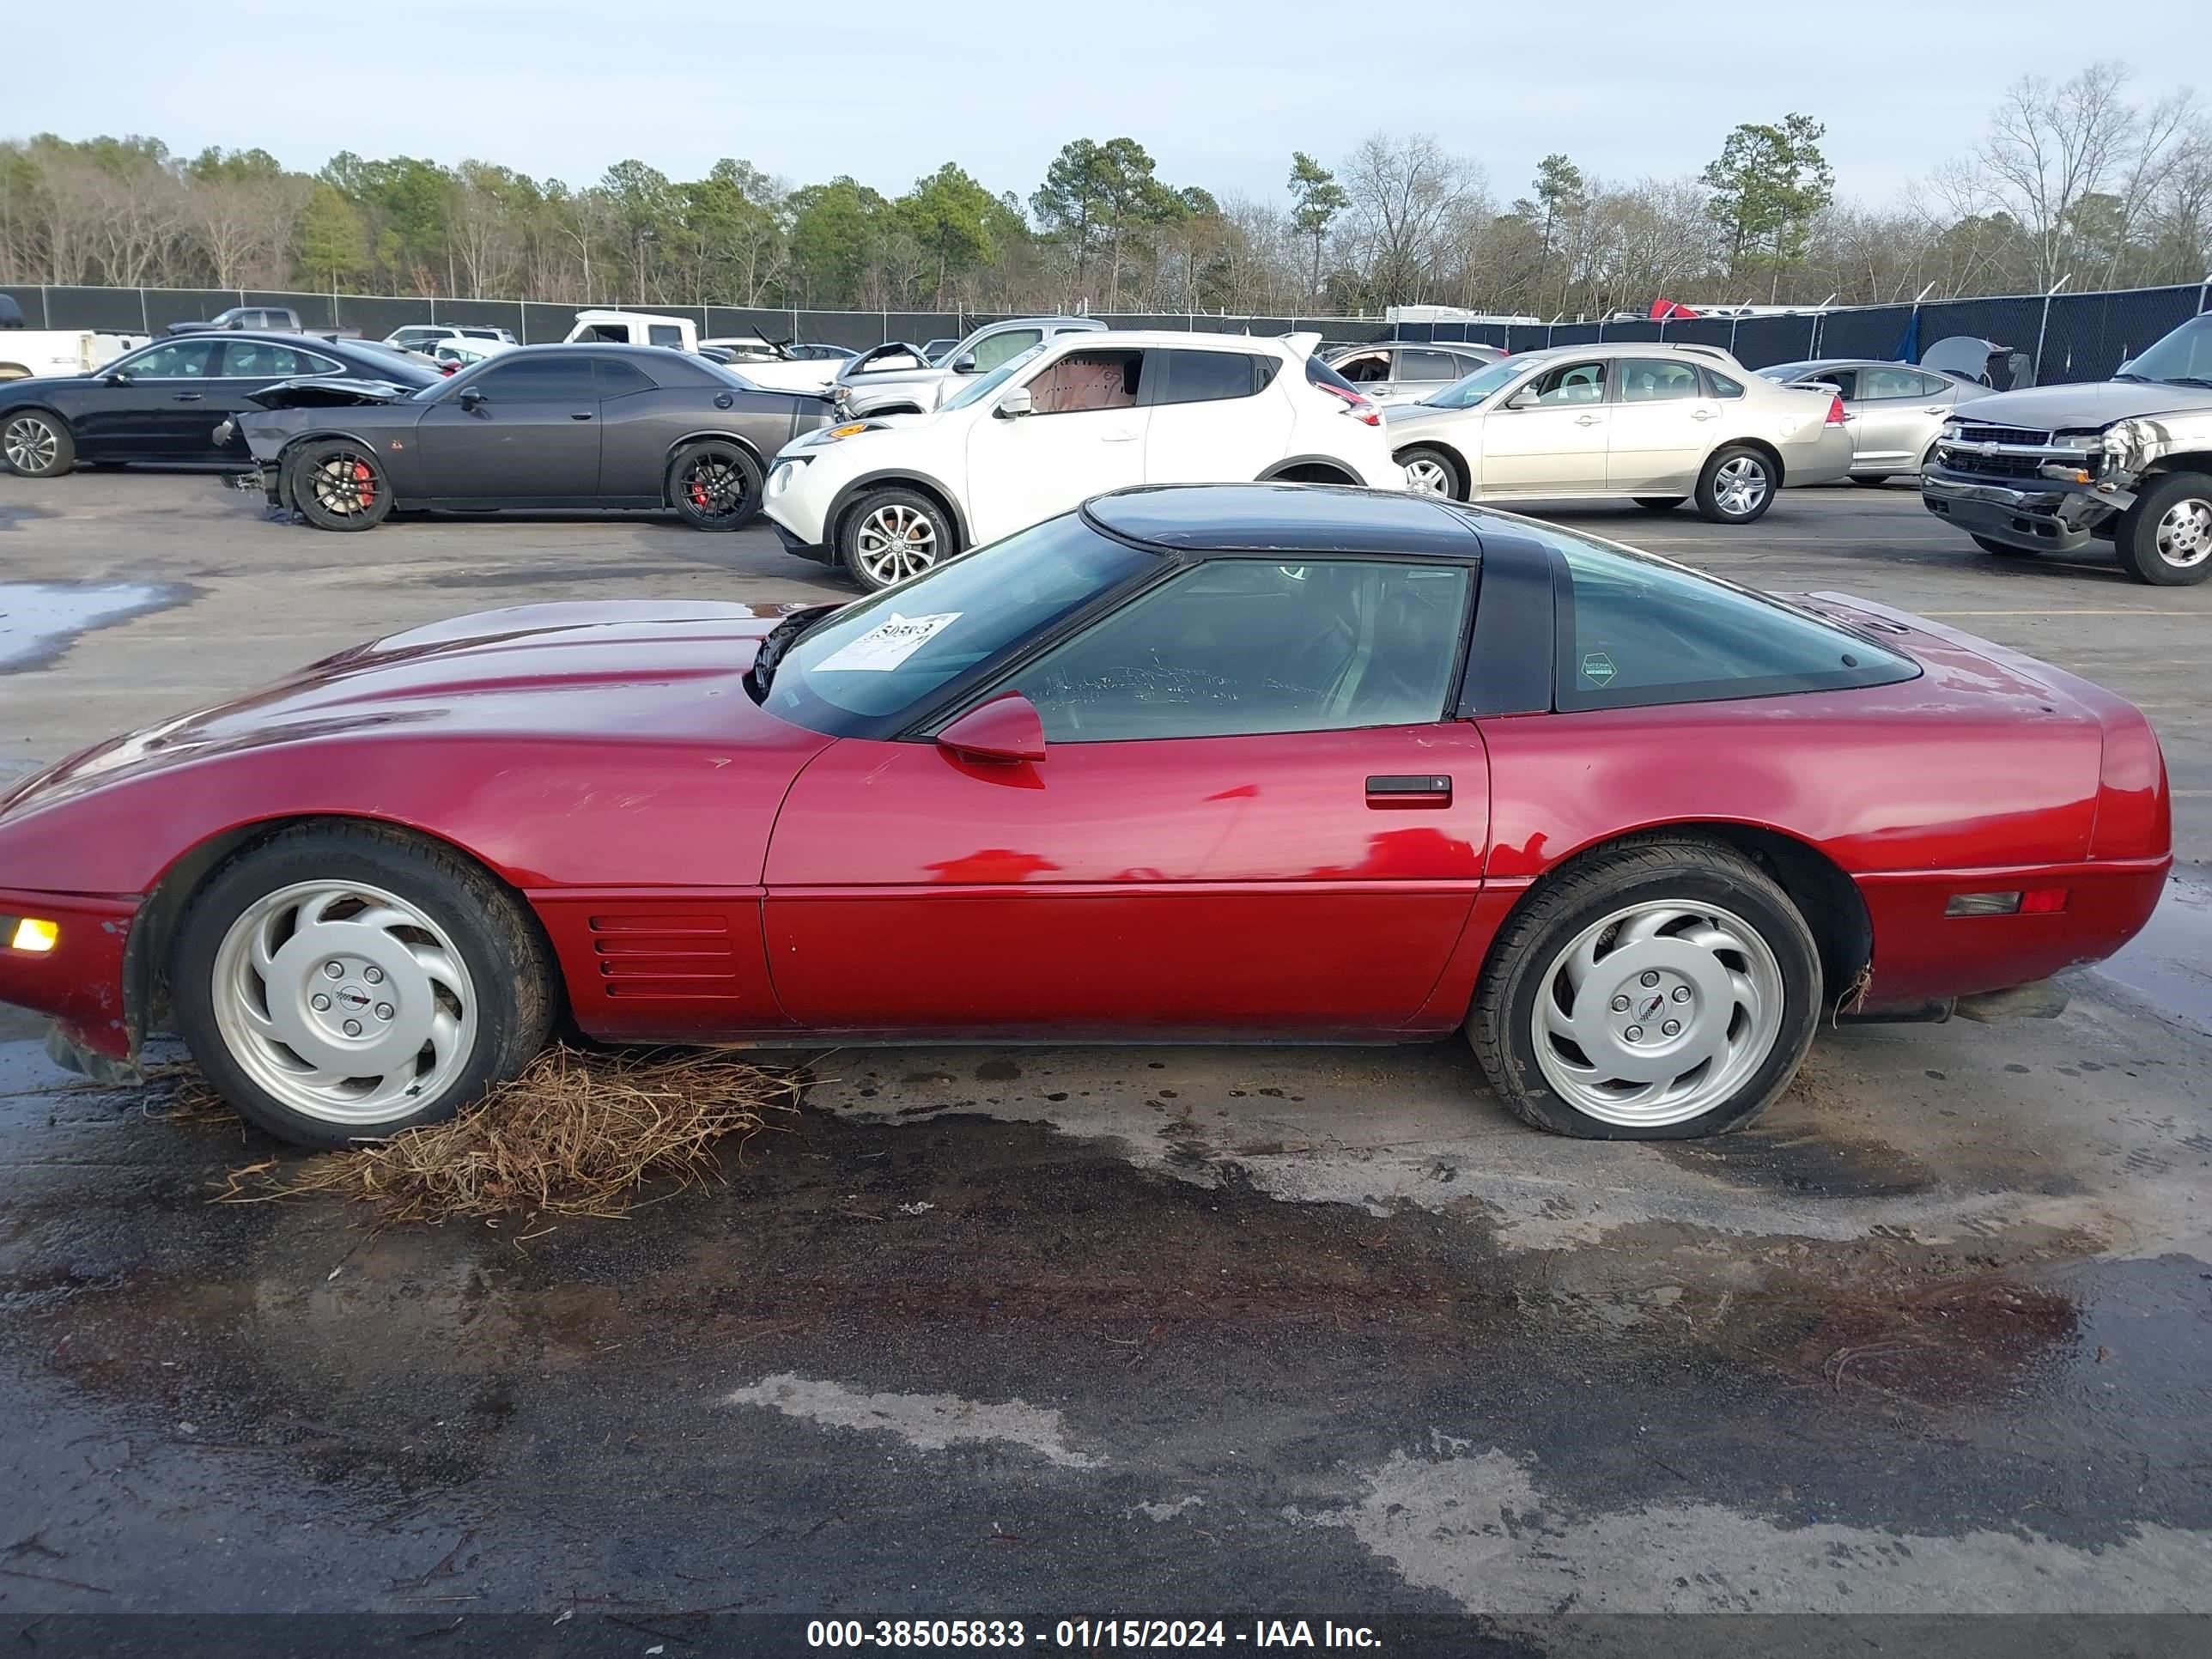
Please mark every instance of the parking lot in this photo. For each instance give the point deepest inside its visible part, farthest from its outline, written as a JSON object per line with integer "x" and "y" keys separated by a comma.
{"x": 1285, "y": 1331}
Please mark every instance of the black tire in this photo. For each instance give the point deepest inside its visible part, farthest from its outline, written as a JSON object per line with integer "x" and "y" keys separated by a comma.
{"x": 1710, "y": 507}
{"x": 1454, "y": 475}
{"x": 1660, "y": 503}
{"x": 714, "y": 484}
{"x": 328, "y": 473}
{"x": 488, "y": 927}
{"x": 900, "y": 505}
{"x": 41, "y": 439}
{"x": 2157, "y": 508}
{"x": 1871, "y": 480}
{"x": 2002, "y": 549}
{"x": 1501, "y": 1024}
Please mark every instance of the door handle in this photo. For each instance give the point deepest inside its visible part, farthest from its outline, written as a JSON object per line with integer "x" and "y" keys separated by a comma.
{"x": 1940, "y": 409}
{"x": 185, "y": 397}
{"x": 1398, "y": 791}
{"x": 581, "y": 415}
{"x": 1586, "y": 420}
{"x": 1705, "y": 414}
{"x": 1119, "y": 438}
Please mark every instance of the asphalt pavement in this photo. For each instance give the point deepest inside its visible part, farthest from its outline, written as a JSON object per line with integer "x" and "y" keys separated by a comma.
{"x": 1238, "y": 1333}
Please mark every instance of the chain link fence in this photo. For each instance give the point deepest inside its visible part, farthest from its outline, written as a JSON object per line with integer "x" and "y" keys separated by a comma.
{"x": 2071, "y": 336}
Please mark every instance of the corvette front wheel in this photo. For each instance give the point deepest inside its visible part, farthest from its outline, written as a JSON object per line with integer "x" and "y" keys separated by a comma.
{"x": 342, "y": 982}
{"x": 1666, "y": 989}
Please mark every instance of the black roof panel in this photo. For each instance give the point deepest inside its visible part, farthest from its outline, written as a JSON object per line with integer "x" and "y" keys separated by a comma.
{"x": 1285, "y": 517}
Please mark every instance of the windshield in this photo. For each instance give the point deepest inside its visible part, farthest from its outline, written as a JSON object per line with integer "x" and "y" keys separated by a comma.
{"x": 887, "y": 654}
{"x": 2182, "y": 358}
{"x": 1483, "y": 383}
{"x": 977, "y": 390}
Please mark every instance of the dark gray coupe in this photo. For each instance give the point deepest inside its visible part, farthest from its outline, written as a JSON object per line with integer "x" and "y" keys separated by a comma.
{"x": 600, "y": 427}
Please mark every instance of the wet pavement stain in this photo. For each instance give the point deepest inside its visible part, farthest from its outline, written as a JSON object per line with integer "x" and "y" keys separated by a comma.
{"x": 39, "y": 621}
{"x": 1819, "y": 1165}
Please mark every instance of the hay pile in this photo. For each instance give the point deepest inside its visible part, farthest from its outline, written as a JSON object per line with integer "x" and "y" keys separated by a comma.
{"x": 574, "y": 1135}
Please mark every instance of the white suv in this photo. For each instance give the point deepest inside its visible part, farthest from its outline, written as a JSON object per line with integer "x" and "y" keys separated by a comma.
{"x": 1066, "y": 420}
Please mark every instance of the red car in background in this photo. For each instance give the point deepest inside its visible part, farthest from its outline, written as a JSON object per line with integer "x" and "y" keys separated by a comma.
{"x": 1232, "y": 761}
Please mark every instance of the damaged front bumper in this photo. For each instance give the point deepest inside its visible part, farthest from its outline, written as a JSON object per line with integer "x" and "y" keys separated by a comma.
{"x": 80, "y": 982}
{"x": 2042, "y": 515}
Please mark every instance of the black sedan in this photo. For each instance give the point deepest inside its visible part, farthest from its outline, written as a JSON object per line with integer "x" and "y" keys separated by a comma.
{"x": 598, "y": 427}
{"x": 162, "y": 402}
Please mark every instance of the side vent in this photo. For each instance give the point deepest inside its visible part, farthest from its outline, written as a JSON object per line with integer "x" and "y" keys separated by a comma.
{"x": 665, "y": 956}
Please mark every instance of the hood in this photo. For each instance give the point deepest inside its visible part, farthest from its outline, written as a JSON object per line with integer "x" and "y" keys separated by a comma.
{"x": 329, "y": 392}
{"x": 800, "y": 374}
{"x": 629, "y": 671}
{"x": 2081, "y": 407}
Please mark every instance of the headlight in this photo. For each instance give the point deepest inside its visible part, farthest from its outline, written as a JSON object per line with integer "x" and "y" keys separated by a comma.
{"x": 2084, "y": 442}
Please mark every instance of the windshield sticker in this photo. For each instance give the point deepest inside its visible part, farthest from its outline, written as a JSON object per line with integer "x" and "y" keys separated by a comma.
{"x": 1598, "y": 668}
{"x": 888, "y": 644}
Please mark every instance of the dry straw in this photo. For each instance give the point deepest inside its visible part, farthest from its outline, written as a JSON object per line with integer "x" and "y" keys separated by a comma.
{"x": 575, "y": 1134}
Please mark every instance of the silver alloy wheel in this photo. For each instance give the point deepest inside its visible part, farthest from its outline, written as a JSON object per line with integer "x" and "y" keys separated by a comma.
{"x": 343, "y": 1002}
{"x": 1657, "y": 1013}
{"x": 340, "y": 489}
{"x": 30, "y": 444}
{"x": 1426, "y": 477}
{"x": 1740, "y": 485}
{"x": 894, "y": 541}
{"x": 2185, "y": 534}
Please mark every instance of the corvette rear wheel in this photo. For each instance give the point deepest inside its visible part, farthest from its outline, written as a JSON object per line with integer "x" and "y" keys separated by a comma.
{"x": 892, "y": 534}
{"x": 341, "y": 982}
{"x": 37, "y": 445}
{"x": 1663, "y": 990}
{"x": 714, "y": 485}
{"x": 337, "y": 484}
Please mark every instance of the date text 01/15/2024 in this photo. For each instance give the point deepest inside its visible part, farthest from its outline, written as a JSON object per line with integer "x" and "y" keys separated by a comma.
{"x": 1086, "y": 1633}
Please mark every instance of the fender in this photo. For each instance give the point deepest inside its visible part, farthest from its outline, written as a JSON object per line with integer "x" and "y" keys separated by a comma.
{"x": 1335, "y": 464}
{"x": 897, "y": 474}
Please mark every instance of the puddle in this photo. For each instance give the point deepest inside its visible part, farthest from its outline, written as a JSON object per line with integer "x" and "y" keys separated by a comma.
{"x": 39, "y": 621}
{"x": 2170, "y": 962}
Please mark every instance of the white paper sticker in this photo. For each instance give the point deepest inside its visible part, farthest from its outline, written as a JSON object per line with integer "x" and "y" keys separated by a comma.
{"x": 888, "y": 644}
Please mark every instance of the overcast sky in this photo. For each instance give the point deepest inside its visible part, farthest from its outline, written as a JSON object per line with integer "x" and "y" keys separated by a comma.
{"x": 1220, "y": 93}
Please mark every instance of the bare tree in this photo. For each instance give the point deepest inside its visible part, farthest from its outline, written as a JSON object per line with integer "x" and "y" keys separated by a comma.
{"x": 1405, "y": 193}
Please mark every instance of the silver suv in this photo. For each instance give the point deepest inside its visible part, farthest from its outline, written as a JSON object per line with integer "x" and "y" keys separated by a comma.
{"x": 902, "y": 386}
{"x": 2056, "y": 467}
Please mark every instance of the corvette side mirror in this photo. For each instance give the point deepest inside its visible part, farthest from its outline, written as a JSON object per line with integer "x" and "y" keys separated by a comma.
{"x": 1007, "y": 729}
{"x": 1015, "y": 403}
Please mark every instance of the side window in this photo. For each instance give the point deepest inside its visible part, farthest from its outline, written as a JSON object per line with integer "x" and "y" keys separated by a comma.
{"x": 1365, "y": 369}
{"x": 1933, "y": 385}
{"x": 1875, "y": 383}
{"x": 1846, "y": 381}
{"x": 179, "y": 360}
{"x": 664, "y": 334}
{"x": 1656, "y": 379}
{"x": 1083, "y": 381}
{"x": 1569, "y": 383}
{"x": 1202, "y": 377}
{"x": 1003, "y": 348}
{"x": 563, "y": 379}
{"x": 1240, "y": 646}
{"x": 618, "y": 377}
{"x": 246, "y": 360}
{"x": 1636, "y": 630}
{"x": 1431, "y": 366}
{"x": 1722, "y": 385}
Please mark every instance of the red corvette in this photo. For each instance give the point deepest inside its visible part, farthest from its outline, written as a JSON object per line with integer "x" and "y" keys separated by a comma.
{"x": 1274, "y": 761}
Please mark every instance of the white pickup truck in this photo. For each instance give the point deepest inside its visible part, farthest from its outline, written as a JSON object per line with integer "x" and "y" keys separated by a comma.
{"x": 25, "y": 352}
{"x": 679, "y": 334}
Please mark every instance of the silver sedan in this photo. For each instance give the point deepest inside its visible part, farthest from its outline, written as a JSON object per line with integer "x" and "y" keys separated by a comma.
{"x": 1893, "y": 410}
